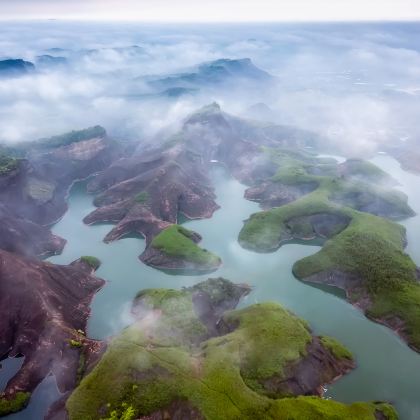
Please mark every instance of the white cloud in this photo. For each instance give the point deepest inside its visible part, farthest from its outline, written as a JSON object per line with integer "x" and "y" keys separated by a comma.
{"x": 217, "y": 10}
{"x": 358, "y": 86}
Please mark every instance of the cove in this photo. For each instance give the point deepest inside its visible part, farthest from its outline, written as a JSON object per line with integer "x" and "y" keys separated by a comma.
{"x": 387, "y": 368}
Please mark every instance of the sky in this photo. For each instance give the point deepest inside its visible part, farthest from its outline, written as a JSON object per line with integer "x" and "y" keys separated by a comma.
{"x": 212, "y": 11}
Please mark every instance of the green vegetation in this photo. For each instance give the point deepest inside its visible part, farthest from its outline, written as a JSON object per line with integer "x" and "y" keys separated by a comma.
{"x": 165, "y": 357}
{"x": 69, "y": 138}
{"x": 177, "y": 242}
{"x": 369, "y": 247}
{"x": 141, "y": 197}
{"x": 7, "y": 164}
{"x": 81, "y": 368}
{"x": 366, "y": 170}
{"x": 283, "y": 346}
{"x": 360, "y": 196}
{"x": 93, "y": 262}
{"x": 220, "y": 289}
{"x": 20, "y": 150}
{"x": 316, "y": 409}
{"x": 13, "y": 405}
{"x": 178, "y": 323}
{"x": 336, "y": 348}
{"x": 126, "y": 412}
{"x": 75, "y": 343}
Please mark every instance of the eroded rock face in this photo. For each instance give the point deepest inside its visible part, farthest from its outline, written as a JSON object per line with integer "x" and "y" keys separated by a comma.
{"x": 274, "y": 194}
{"x": 322, "y": 225}
{"x": 34, "y": 194}
{"x": 307, "y": 376}
{"x": 45, "y": 179}
{"x": 176, "y": 183}
{"x": 146, "y": 193}
{"x": 42, "y": 307}
{"x": 27, "y": 238}
{"x": 349, "y": 282}
{"x": 367, "y": 201}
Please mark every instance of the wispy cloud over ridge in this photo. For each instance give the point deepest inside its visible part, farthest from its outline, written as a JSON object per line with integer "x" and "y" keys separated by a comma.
{"x": 343, "y": 81}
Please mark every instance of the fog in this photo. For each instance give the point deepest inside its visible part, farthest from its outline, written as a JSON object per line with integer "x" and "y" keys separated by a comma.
{"x": 356, "y": 85}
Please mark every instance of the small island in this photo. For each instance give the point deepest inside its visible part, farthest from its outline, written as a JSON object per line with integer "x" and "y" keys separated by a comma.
{"x": 350, "y": 210}
{"x": 191, "y": 354}
{"x": 176, "y": 248}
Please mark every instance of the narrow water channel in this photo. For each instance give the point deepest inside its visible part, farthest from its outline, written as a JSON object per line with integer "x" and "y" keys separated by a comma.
{"x": 387, "y": 368}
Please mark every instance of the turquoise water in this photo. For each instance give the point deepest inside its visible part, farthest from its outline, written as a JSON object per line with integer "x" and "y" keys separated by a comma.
{"x": 387, "y": 368}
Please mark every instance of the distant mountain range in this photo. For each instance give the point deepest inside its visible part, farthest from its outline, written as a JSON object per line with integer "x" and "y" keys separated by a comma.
{"x": 213, "y": 73}
{"x": 15, "y": 67}
{"x": 131, "y": 50}
{"x": 47, "y": 60}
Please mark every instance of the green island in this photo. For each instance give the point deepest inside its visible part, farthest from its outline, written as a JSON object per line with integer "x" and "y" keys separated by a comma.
{"x": 18, "y": 403}
{"x": 179, "y": 243}
{"x": 172, "y": 358}
{"x": 362, "y": 253}
{"x": 93, "y": 262}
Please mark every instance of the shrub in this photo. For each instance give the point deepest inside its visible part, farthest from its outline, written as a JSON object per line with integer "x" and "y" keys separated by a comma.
{"x": 94, "y": 262}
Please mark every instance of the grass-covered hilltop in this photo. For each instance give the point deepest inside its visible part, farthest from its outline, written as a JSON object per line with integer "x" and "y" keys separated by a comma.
{"x": 363, "y": 253}
{"x": 190, "y": 354}
{"x": 176, "y": 248}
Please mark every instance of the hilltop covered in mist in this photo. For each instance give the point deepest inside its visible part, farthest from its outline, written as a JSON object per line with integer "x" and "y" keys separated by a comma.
{"x": 346, "y": 83}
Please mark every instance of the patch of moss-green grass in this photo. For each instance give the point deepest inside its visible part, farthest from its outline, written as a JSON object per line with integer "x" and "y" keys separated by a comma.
{"x": 264, "y": 231}
{"x": 145, "y": 369}
{"x": 369, "y": 247}
{"x": 336, "y": 348}
{"x": 373, "y": 250}
{"x": 142, "y": 197}
{"x": 93, "y": 262}
{"x": 318, "y": 409}
{"x": 81, "y": 369}
{"x": 177, "y": 322}
{"x": 75, "y": 343}
{"x": 177, "y": 242}
{"x": 15, "y": 404}
{"x": 402, "y": 305}
{"x": 258, "y": 327}
{"x": 7, "y": 164}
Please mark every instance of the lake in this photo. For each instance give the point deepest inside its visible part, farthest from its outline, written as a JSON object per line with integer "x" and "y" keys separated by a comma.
{"x": 386, "y": 368}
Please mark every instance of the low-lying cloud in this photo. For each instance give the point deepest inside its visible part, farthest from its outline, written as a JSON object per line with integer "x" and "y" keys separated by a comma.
{"x": 358, "y": 86}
